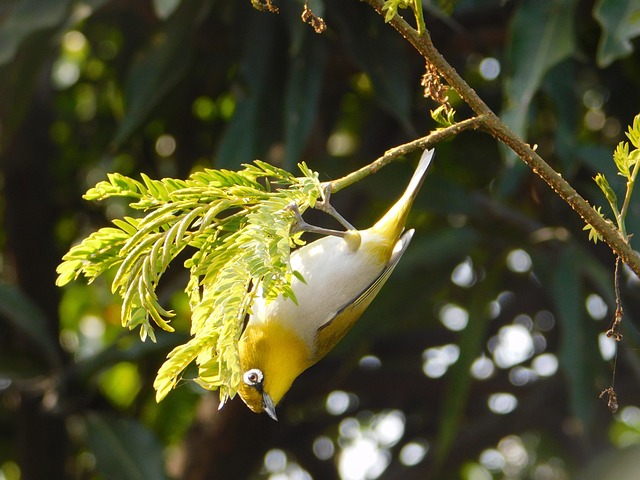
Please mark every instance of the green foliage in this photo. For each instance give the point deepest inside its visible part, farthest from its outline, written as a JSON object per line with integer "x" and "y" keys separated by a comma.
{"x": 594, "y": 235}
{"x": 626, "y": 162}
{"x": 391, "y": 8}
{"x": 444, "y": 115}
{"x": 123, "y": 448}
{"x": 229, "y": 84}
{"x": 163, "y": 63}
{"x": 26, "y": 316}
{"x": 541, "y": 36}
{"x": 27, "y": 18}
{"x": 602, "y": 182}
{"x": 577, "y": 351}
{"x": 620, "y": 22}
{"x": 237, "y": 229}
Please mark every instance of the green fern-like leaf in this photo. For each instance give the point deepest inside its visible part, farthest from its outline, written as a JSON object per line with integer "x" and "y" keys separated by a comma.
{"x": 622, "y": 160}
{"x": 236, "y": 225}
{"x": 609, "y": 194}
{"x": 444, "y": 115}
{"x": 594, "y": 235}
{"x": 391, "y": 8}
{"x": 633, "y": 133}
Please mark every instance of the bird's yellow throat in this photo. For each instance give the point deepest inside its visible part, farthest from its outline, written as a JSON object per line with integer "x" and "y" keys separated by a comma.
{"x": 342, "y": 273}
{"x": 272, "y": 347}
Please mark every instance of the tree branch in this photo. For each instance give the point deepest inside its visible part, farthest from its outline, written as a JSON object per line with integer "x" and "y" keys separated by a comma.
{"x": 492, "y": 124}
{"x": 394, "y": 153}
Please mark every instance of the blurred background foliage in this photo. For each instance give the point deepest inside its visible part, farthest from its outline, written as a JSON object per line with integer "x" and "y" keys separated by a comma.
{"x": 481, "y": 359}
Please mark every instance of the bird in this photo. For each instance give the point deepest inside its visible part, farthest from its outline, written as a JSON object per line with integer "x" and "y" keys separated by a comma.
{"x": 341, "y": 274}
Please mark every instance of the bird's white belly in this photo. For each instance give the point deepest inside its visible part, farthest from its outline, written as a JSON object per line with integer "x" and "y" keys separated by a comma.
{"x": 334, "y": 275}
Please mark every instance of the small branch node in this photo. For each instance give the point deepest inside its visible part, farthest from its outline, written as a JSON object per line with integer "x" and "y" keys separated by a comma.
{"x": 614, "y": 330}
{"x": 265, "y": 6}
{"x": 312, "y": 19}
{"x": 433, "y": 86}
{"x": 612, "y": 399}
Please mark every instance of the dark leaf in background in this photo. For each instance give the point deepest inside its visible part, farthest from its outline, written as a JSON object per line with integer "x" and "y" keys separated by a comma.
{"x": 560, "y": 85}
{"x": 578, "y": 350}
{"x": 307, "y": 62}
{"x": 27, "y": 18}
{"x": 124, "y": 449}
{"x": 541, "y": 36}
{"x": 375, "y": 50}
{"x": 26, "y": 317}
{"x": 30, "y": 26}
{"x": 255, "y": 89}
{"x": 161, "y": 66}
{"x": 620, "y": 22}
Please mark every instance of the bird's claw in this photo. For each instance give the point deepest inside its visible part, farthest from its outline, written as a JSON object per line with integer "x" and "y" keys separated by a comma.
{"x": 300, "y": 225}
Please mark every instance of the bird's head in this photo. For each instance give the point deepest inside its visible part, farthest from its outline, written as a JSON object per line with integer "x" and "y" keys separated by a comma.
{"x": 271, "y": 357}
{"x": 252, "y": 391}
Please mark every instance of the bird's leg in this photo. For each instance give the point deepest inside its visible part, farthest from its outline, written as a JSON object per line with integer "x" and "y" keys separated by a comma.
{"x": 351, "y": 237}
{"x": 302, "y": 226}
{"x": 325, "y": 206}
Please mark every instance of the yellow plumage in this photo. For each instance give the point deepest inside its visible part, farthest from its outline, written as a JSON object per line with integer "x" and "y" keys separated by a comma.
{"x": 341, "y": 275}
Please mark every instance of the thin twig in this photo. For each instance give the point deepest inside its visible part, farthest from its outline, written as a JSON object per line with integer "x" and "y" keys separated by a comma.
{"x": 614, "y": 330}
{"x": 495, "y": 127}
{"x": 393, "y": 154}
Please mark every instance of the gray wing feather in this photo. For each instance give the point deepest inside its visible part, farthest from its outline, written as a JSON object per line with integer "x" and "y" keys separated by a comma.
{"x": 368, "y": 294}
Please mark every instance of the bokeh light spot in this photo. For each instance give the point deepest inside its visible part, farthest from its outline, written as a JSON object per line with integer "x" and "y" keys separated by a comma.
{"x": 482, "y": 368}
{"x": 514, "y": 345}
{"x": 437, "y": 360}
{"x": 453, "y": 317}
{"x": 338, "y": 402}
{"x": 463, "y": 275}
{"x": 607, "y": 346}
{"x": 370, "y": 362}
{"x": 323, "y": 448}
{"x": 596, "y": 306}
{"x": 502, "y": 403}
{"x": 165, "y": 145}
{"x": 413, "y": 453}
{"x": 489, "y": 68}
{"x": 519, "y": 261}
{"x": 545, "y": 365}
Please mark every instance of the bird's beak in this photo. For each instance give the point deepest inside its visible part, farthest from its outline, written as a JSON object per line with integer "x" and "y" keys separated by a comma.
{"x": 268, "y": 406}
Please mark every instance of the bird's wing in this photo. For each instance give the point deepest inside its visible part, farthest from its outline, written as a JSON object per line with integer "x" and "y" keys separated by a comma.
{"x": 339, "y": 323}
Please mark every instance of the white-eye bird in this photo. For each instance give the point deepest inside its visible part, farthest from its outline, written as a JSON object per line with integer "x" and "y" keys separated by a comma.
{"x": 342, "y": 272}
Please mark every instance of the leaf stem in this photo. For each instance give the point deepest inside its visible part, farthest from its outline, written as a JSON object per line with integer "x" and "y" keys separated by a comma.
{"x": 627, "y": 199}
{"x": 417, "y": 10}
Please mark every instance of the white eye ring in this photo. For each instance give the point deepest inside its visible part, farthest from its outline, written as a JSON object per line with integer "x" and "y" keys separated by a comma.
{"x": 253, "y": 377}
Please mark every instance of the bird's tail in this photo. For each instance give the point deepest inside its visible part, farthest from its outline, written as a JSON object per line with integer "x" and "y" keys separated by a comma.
{"x": 392, "y": 223}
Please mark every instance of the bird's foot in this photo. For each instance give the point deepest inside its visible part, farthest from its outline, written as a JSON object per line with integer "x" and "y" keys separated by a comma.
{"x": 352, "y": 237}
{"x": 301, "y": 225}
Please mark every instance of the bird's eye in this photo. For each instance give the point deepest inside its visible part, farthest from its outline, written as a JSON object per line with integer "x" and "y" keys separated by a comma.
{"x": 253, "y": 377}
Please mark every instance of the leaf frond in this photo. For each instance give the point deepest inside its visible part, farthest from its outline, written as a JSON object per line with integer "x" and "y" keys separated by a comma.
{"x": 236, "y": 226}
